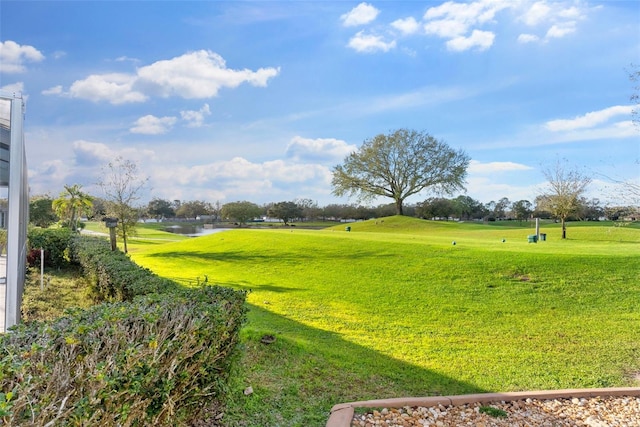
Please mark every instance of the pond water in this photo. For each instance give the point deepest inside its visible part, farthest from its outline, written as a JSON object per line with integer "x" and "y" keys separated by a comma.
{"x": 193, "y": 230}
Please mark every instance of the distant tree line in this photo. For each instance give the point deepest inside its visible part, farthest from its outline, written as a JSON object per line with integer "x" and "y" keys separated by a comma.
{"x": 464, "y": 208}
{"x": 397, "y": 165}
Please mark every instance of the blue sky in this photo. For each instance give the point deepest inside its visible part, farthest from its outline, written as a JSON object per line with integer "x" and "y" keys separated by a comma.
{"x": 258, "y": 100}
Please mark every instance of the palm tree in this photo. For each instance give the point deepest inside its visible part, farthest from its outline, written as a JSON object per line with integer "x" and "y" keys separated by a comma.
{"x": 72, "y": 203}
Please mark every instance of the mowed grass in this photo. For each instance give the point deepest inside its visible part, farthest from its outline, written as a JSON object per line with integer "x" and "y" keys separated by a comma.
{"x": 393, "y": 308}
{"x": 144, "y": 235}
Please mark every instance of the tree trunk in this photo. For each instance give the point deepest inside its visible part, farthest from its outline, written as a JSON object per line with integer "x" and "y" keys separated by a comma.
{"x": 73, "y": 222}
{"x": 564, "y": 229}
{"x": 399, "y": 207}
{"x": 124, "y": 240}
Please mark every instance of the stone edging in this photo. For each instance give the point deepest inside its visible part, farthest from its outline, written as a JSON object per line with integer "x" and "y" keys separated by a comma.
{"x": 342, "y": 414}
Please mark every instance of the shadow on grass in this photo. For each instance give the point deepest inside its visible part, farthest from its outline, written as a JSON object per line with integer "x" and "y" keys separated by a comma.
{"x": 265, "y": 257}
{"x": 244, "y": 286}
{"x": 297, "y": 379}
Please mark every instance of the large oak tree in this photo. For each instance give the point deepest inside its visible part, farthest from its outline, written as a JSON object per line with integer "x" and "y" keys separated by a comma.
{"x": 161, "y": 208}
{"x": 285, "y": 211}
{"x": 398, "y": 165}
{"x": 193, "y": 209}
{"x": 240, "y": 211}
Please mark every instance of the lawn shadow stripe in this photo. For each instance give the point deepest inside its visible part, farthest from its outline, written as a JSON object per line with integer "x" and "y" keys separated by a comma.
{"x": 297, "y": 379}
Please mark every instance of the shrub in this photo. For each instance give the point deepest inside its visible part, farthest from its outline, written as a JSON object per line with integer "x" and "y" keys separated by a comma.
{"x": 112, "y": 275}
{"x": 54, "y": 241}
{"x": 153, "y": 361}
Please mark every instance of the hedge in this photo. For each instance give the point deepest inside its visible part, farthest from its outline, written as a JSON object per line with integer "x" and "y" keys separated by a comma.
{"x": 112, "y": 275}
{"x": 154, "y": 361}
{"x": 54, "y": 241}
{"x": 153, "y": 354}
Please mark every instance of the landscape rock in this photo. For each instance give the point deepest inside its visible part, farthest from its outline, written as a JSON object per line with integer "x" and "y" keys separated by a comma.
{"x": 588, "y": 412}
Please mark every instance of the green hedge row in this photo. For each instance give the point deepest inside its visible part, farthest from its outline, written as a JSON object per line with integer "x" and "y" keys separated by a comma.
{"x": 54, "y": 241}
{"x": 155, "y": 354}
{"x": 153, "y": 361}
{"x": 112, "y": 275}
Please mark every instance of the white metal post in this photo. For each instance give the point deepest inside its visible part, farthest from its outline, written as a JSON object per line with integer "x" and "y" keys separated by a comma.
{"x": 41, "y": 269}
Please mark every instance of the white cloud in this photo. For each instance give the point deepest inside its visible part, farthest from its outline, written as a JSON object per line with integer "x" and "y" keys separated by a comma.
{"x": 83, "y": 165}
{"x": 623, "y": 129}
{"x": 362, "y": 14}
{"x": 476, "y": 167}
{"x": 571, "y": 13}
{"x": 116, "y": 88}
{"x": 127, "y": 59}
{"x": 52, "y": 170}
{"x": 494, "y": 180}
{"x": 199, "y": 74}
{"x": 446, "y": 28}
{"x": 559, "y": 19}
{"x": 453, "y": 21}
{"x": 537, "y": 13}
{"x": 560, "y": 30}
{"x": 152, "y": 125}
{"x": 474, "y": 12}
{"x": 369, "y": 43}
{"x": 528, "y": 38}
{"x": 13, "y": 88}
{"x": 460, "y": 23}
{"x": 55, "y": 90}
{"x": 406, "y": 26}
{"x": 469, "y": 14}
{"x": 239, "y": 177}
{"x": 92, "y": 153}
{"x": 595, "y": 125}
{"x": 588, "y": 120}
{"x": 544, "y": 13}
{"x": 13, "y": 56}
{"x": 195, "y": 118}
{"x": 484, "y": 189}
{"x": 478, "y": 39}
{"x": 96, "y": 154}
{"x": 318, "y": 150}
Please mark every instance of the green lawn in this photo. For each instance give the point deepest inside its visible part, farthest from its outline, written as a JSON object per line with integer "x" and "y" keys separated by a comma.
{"x": 393, "y": 308}
{"x": 144, "y": 235}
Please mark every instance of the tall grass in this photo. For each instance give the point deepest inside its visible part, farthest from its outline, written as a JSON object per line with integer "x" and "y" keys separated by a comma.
{"x": 395, "y": 308}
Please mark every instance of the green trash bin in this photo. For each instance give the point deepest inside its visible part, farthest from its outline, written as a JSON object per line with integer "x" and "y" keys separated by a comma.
{"x": 532, "y": 238}
{"x": 347, "y": 228}
{"x": 543, "y": 237}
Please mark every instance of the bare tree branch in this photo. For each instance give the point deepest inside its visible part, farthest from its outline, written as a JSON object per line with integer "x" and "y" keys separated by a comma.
{"x": 564, "y": 189}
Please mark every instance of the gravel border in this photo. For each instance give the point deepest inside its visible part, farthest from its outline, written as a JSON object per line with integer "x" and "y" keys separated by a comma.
{"x": 342, "y": 415}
